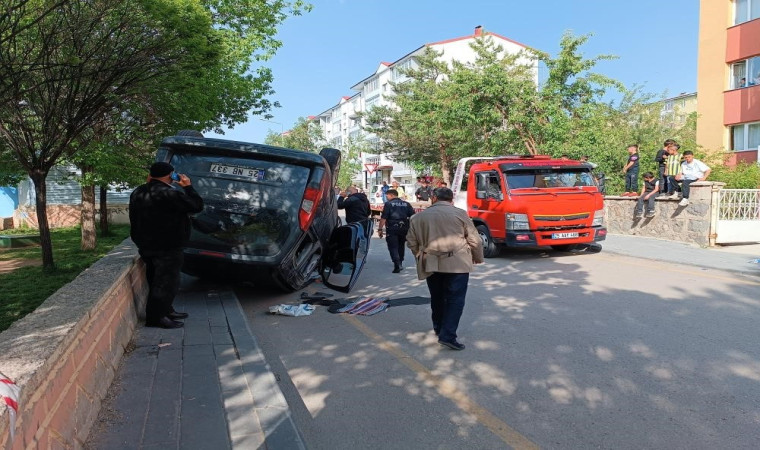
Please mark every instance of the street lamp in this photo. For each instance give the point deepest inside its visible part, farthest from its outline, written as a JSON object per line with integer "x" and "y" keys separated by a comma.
{"x": 282, "y": 128}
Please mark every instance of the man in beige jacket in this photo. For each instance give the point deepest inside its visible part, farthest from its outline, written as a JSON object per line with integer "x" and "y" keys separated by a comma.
{"x": 446, "y": 245}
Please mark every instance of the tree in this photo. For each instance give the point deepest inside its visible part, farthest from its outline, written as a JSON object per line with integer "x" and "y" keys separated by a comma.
{"x": 428, "y": 123}
{"x": 304, "y": 135}
{"x": 74, "y": 66}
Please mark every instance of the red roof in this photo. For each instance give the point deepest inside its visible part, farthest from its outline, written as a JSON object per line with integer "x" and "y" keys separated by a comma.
{"x": 473, "y": 35}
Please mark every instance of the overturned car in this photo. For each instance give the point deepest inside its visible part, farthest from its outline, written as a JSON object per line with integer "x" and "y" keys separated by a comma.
{"x": 270, "y": 214}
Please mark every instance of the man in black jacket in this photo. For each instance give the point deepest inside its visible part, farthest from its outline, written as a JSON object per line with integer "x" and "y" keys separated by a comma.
{"x": 395, "y": 220}
{"x": 160, "y": 227}
{"x": 356, "y": 205}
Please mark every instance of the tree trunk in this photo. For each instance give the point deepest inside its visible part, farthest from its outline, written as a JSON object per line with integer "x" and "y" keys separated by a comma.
{"x": 445, "y": 167}
{"x": 104, "y": 211}
{"x": 40, "y": 190}
{"x": 89, "y": 239}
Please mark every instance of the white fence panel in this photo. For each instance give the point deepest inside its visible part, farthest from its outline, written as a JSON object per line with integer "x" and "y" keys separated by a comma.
{"x": 738, "y": 216}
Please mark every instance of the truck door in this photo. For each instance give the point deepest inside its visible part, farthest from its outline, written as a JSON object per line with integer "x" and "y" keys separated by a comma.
{"x": 485, "y": 202}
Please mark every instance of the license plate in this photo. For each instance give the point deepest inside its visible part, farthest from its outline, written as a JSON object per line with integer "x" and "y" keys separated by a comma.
{"x": 247, "y": 172}
{"x": 564, "y": 235}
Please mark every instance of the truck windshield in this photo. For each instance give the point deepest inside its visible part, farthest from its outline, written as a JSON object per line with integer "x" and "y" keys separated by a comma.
{"x": 549, "y": 178}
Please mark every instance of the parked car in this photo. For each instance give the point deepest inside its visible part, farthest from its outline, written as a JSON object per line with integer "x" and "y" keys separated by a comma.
{"x": 270, "y": 213}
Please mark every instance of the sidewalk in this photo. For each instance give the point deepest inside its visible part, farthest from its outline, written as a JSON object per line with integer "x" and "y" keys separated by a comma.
{"x": 204, "y": 386}
{"x": 733, "y": 258}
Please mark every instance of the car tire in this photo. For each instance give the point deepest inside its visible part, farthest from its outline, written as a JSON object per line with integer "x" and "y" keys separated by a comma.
{"x": 490, "y": 248}
{"x": 565, "y": 247}
{"x": 333, "y": 158}
{"x": 190, "y": 133}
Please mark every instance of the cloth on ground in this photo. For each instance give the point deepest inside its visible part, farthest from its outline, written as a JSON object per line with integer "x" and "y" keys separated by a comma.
{"x": 366, "y": 306}
{"x": 292, "y": 310}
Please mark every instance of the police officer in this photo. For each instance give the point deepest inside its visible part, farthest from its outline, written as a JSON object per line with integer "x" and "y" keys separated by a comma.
{"x": 395, "y": 220}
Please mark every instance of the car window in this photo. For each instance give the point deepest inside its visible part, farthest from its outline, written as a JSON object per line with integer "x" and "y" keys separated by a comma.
{"x": 251, "y": 206}
{"x": 543, "y": 178}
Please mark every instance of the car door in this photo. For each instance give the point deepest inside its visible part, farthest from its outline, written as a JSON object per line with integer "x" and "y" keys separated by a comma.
{"x": 346, "y": 253}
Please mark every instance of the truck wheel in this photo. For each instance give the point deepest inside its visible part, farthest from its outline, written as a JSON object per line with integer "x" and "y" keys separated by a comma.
{"x": 333, "y": 157}
{"x": 490, "y": 249}
{"x": 565, "y": 247}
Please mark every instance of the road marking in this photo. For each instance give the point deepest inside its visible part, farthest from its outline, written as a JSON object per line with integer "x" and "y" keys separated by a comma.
{"x": 448, "y": 390}
{"x": 693, "y": 271}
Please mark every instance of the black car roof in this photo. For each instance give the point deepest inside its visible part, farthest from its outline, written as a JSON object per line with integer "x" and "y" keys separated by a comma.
{"x": 237, "y": 148}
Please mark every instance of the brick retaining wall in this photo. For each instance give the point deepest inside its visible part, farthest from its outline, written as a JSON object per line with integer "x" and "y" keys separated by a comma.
{"x": 64, "y": 355}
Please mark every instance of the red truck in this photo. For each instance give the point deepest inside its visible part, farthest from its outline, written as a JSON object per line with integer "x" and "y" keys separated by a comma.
{"x": 519, "y": 201}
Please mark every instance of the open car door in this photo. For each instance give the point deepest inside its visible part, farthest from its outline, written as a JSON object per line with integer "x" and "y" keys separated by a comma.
{"x": 345, "y": 256}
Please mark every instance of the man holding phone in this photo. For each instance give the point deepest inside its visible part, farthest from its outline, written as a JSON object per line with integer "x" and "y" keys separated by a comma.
{"x": 160, "y": 227}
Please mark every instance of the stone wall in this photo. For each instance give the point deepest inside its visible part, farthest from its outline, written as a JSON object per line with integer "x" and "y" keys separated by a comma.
{"x": 690, "y": 223}
{"x": 66, "y": 215}
{"x": 64, "y": 355}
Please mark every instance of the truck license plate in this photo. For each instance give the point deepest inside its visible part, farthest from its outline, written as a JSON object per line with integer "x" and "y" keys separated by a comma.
{"x": 564, "y": 235}
{"x": 247, "y": 172}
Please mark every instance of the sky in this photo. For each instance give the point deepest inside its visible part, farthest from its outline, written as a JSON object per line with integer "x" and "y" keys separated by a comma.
{"x": 340, "y": 42}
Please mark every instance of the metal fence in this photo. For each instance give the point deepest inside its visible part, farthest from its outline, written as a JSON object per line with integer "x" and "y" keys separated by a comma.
{"x": 739, "y": 204}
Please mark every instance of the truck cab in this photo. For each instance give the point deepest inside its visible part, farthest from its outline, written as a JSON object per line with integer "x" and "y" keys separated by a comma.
{"x": 521, "y": 201}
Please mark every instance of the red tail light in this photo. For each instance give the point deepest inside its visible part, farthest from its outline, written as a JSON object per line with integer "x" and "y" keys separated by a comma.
{"x": 308, "y": 207}
{"x": 311, "y": 197}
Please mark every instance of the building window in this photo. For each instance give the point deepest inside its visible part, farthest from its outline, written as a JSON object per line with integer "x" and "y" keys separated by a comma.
{"x": 397, "y": 74}
{"x": 746, "y": 10}
{"x": 745, "y": 136}
{"x": 372, "y": 101}
{"x": 745, "y": 73}
{"x": 371, "y": 85}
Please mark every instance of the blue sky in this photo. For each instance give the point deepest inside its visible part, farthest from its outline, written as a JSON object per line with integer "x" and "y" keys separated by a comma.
{"x": 340, "y": 42}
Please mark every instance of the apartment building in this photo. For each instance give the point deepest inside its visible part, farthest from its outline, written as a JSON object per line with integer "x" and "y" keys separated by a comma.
{"x": 728, "y": 78}
{"x": 676, "y": 110}
{"x": 342, "y": 123}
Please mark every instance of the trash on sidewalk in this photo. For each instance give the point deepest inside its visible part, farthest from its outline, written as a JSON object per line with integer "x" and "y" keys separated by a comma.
{"x": 365, "y": 307}
{"x": 292, "y": 310}
{"x": 756, "y": 261}
{"x": 165, "y": 344}
{"x": 9, "y": 393}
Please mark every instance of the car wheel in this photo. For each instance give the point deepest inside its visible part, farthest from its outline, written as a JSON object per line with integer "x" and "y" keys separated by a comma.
{"x": 190, "y": 133}
{"x": 490, "y": 248}
{"x": 565, "y": 247}
{"x": 333, "y": 158}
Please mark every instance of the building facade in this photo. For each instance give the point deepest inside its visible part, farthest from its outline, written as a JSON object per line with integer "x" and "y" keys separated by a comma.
{"x": 728, "y": 78}
{"x": 676, "y": 110}
{"x": 342, "y": 123}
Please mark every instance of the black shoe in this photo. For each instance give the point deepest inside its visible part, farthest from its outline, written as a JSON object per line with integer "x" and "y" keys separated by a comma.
{"x": 177, "y": 315}
{"x": 165, "y": 322}
{"x": 454, "y": 345}
{"x": 396, "y": 269}
{"x": 436, "y": 331}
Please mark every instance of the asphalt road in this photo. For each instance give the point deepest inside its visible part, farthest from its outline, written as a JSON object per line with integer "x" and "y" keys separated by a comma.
{"x": 592, "y": 350}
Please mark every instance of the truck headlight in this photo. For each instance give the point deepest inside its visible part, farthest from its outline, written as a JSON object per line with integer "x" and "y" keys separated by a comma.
{"x": 517, "y": 222}
{"x": 598, "y": 218}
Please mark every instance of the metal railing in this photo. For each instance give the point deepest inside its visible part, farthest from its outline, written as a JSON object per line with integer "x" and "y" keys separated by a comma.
{"x": 739, "y": 204}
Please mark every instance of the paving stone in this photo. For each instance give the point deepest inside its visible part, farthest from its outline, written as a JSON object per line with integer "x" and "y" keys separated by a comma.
{"x": 280, "y": 431}
{"x": 248, "y": 441}
{"x": 242, "y": 420}
{"x": 163, "y": 411}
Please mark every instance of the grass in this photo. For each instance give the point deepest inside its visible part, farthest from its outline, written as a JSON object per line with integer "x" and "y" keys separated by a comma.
{"x": 24, "y": 289}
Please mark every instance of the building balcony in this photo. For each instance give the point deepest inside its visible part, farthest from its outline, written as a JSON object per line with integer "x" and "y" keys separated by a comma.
{"x": 741, "y": 105}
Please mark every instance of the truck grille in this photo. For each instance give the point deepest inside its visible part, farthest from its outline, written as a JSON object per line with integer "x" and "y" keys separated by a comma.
{"x": 564, "y": 227}
{"x": 562, "y": 217}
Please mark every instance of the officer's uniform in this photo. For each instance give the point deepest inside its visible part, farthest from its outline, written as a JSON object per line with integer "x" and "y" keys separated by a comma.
{"x": 396, "y": 213}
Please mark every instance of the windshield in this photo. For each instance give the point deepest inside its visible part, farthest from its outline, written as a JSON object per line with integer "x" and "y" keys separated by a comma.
{"x": 549, "y": 178}
{"x": 251, "y": 205}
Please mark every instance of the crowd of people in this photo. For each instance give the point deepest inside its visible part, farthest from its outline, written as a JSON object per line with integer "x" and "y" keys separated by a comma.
{"x": 676, "y": 172}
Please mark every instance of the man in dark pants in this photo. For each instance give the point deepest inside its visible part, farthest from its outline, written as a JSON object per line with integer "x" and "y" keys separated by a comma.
{"x": 661, "y": 159}
{"x": 160, "y": 227}
{"x": 356, "y": 205}
{"x": 446, "y": 245}
{"x": 395, "y": 220}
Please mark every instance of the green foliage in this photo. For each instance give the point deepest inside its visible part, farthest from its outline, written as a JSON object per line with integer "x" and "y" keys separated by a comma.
{"x": 350, "y": 161}
{"x": 304, "y": 136}
{"x": 741, "y": 176}
{"x": 25, "y": 288}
